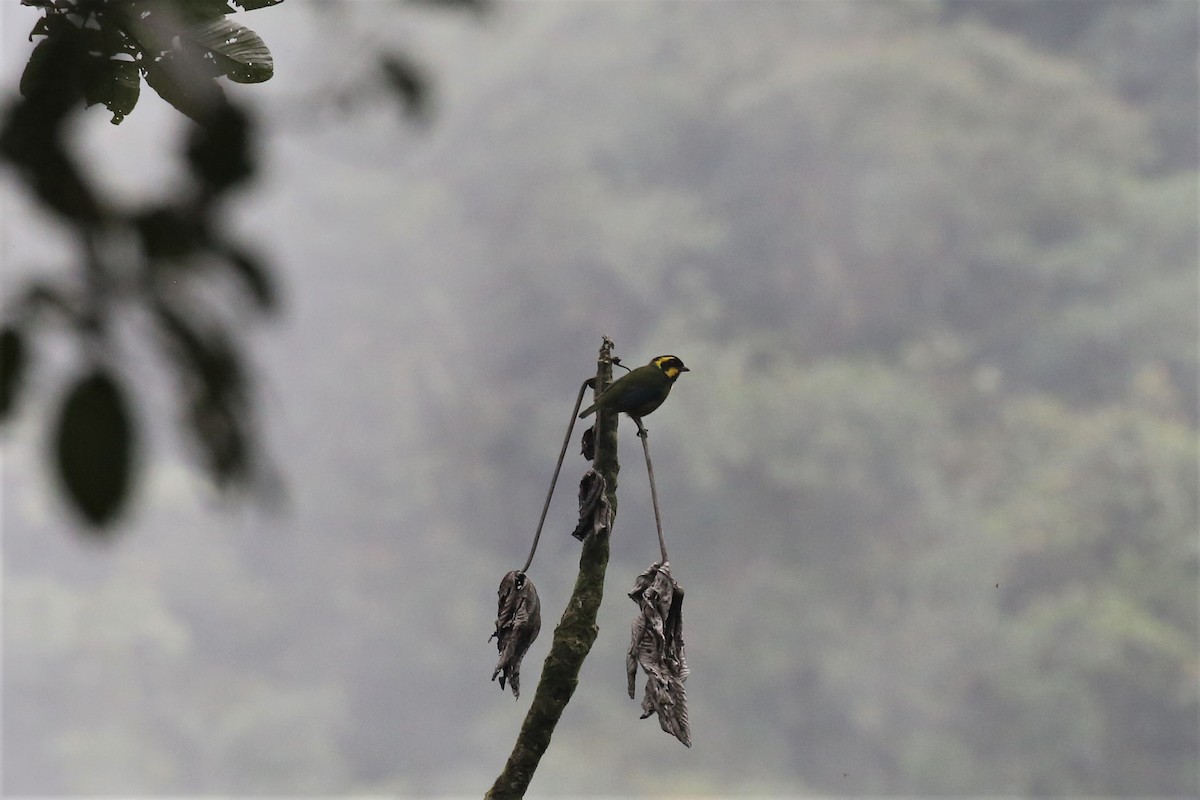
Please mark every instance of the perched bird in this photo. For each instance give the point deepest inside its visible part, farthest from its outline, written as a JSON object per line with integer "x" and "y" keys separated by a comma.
{"x": 642, "y": 390}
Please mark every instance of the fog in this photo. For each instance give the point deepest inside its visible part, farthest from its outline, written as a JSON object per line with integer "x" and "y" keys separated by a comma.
{"x": 930, "y": 483}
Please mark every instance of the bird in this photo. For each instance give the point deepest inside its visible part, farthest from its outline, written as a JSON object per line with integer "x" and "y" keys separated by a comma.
{"x": 641, "y": 391}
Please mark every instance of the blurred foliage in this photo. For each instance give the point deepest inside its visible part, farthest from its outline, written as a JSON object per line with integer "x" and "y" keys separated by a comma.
{"x": 937, "y": 265}
{"x": 170, "y": 265}
{"x": 180, "y": 47}
{"x": 157, "y": 264}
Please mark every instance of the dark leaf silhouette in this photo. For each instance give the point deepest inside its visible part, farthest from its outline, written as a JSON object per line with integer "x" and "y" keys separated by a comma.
{"x": 657, "y": 647}
{"x": 32, "y": 134}
{"x": 12, "y": 368}
{"x": 116, "y": 84}
{"x": 44, "y": 297}
{"x": 46, "y": 59}
{"x": 518, "y": 622}
{"x": 167, "y": 233}
{"x": 174, "y": 80}
{"x": 251, "y": 5}
{"x": 218, "y": 150}
{"x": 255, "y": 276}
{"x": 220, "y": 432}
{"x": 214, "y": 388}
{"x": 94, "y": 447}
{"x": 407, "y": 82}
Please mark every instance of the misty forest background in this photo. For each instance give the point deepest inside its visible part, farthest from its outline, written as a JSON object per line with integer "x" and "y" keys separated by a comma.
{"x": 930, "y": 485}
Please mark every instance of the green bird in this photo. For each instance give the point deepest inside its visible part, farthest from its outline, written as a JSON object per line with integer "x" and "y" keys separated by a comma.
{"x": 642, "y": 390}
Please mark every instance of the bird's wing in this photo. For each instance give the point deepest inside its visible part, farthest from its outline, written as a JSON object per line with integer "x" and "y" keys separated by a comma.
{"x": 639, "y": 396}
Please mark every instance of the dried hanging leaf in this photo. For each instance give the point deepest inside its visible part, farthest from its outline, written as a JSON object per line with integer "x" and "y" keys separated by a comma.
{"x": 657, "y": 647}
{"x": 594, "y": 509}
{"x": 518, "y": 621}
{"x": 587, "y": 445}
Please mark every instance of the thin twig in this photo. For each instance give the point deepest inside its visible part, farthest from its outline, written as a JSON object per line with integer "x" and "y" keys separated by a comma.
{"x": 562, "y": 454}
{"x": 644, "y": 435}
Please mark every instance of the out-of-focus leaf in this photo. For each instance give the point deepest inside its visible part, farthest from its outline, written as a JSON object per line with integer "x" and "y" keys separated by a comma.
{"x": 518, "y": 622}
{"x": 184, "y": 343}
{"x": 407, "y": 82}
{"x": 63, "y": 188}
{"x": 33, "y": 143}
{"x": 41, "y": 297}
{"x": 657, "y": 647}
{"x": 94, "y": 447}
{"x": 255, "y": 276}
{"x": 218, "y": 151}
{"x": 220, "y": 432}
{"x": 49, "y": 84}
{"x": 212, "y": 379}
{"x": 12, "y": 368}
{"x": 167, "y": 233}
{"x": 194, "y": 95}
{"x": 32, "y": 135}
{"x": 208, "y": 359}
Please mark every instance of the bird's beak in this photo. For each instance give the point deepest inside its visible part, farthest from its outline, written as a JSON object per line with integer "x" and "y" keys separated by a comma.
{"x": 684, "y": 369}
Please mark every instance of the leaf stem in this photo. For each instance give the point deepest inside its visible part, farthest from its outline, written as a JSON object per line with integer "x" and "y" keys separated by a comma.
{"x": 562, "y": 454}
{"x": 644, "y": 435}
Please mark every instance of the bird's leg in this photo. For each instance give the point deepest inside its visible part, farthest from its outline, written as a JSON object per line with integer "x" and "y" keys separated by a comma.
{"x": 642, "y": 432}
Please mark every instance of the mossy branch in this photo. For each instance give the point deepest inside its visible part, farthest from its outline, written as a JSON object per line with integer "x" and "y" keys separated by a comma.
{"x": 576, "y": 631}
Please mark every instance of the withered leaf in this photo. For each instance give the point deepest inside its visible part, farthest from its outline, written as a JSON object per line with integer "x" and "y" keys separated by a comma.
{"x": 587, "y": 445}
{"x": 594, "y": 508}
{"x": 657, "y": 647}
{"x": 518, "y": 621}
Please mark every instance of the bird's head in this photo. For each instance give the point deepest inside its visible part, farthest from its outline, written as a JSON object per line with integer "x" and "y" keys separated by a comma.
{"x": 670, "y": 365}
